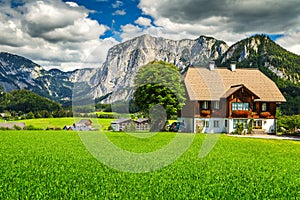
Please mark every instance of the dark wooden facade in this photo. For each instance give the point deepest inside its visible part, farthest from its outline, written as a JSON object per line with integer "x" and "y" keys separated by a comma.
{"x": 223, "y": 107}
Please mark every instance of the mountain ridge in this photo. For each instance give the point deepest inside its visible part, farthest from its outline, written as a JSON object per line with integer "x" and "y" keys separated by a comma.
{"x": 114, "y": 80}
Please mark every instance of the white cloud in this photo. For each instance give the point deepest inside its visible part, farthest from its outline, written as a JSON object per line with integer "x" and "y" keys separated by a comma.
{"x": 72, "y": 4}
{"x": 118, "y": 4}
{"x": 54, "y": 34}
{"x": 143, "y": 21}
{"x": 290, "y": 40}
{"x": 119, "y": 12}
{"x": 230, "y": 20}
{"x": 130, "y": 31}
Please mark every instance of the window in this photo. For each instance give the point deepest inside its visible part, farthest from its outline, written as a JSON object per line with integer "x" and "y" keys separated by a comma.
{"x": 242, "y": 121}
{"x": 206, "y": 124}
{"x": 216, "y": 124}
{"x": 254, "y": 107}
{"x": 264, "y": 107}
{"x": 205, "y": 105}
{"x": 240, "y": 106}
{"x": 226, "y": 123}
{"x": 217, "y": 105}
{"x": 257, "y": 124}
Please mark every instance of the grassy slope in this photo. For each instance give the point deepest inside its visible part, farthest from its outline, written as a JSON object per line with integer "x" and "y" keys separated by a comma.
{"x": 48, "y": 164}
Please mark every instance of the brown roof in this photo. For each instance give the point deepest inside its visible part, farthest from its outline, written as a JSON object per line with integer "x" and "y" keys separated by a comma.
{"x": 204, "y": 84}
{"x": 235, "y": 88}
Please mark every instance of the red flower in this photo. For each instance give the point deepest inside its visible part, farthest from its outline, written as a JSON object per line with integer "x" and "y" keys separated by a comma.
{"x": 205, "y": 112}
{"x": 265, "y": 114}
{"x": 240, "y": 113}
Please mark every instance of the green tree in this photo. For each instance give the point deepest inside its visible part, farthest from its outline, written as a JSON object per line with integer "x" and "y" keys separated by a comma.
{"x": 159, "y": 83}
{"x": 30, "y": 115}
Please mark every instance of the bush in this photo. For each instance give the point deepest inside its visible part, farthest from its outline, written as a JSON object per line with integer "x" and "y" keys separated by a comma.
{"x": 30, "y": 115}
{"x": 31, "y": 127}
{"x": 288, "y": 124}
{"x": 110, "y": 128}
{"x": 250, "y": 126}
{"x": 107, "y": 116}
{"x": 17, "y": 127}
{"x": 199, "y": 129}
{"x": 239, "y": 128}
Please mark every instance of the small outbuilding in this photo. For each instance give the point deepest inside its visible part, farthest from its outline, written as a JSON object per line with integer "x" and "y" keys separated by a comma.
{"x": 82, "y": 125}
{"x": 142, "y": 124}
{"x": 86, "y": 122}
{"x": 121, "y": 124}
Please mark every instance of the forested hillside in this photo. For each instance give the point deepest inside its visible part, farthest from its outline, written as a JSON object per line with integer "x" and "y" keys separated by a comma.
{"x": 20, "y": 102}
{"x": 282, "y": 66}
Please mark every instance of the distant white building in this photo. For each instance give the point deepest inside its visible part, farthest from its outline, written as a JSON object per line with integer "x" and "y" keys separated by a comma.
{"x": 82, "y": 125}
{"x": 121, "y": 124}
{"x": 140, "y": 124}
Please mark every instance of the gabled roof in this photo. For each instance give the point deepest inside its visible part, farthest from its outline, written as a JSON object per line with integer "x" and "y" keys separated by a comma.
{"x": 236, "y": 88}
{"x": 204, "y": 84}
{"x": 121, "y": 120}
{"x": 141, "y": 120}
{"x": 83, "y": 121}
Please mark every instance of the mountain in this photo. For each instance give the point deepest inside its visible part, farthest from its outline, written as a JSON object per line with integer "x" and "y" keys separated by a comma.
{"x": 261, "y": 52}
{"x": 282, "y": 66}
{"x": 115, "y": 79}
{"x": 17, "y": 72}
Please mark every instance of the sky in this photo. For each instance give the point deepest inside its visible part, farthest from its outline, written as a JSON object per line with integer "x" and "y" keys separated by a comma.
{"x": 72, "y": 34}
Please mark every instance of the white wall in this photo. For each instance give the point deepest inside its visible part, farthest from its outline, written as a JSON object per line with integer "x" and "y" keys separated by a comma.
{"x": 191, "y": 125}
{"x": 211, "y": 128}
{"x": 269, "y": 125}
{"x": 116, "y": 127}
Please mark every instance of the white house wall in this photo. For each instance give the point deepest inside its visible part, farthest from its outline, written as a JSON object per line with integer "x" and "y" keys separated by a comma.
{"x": 211, "y": 128}
{"x": 269, "y": 125}
{"x": 191, "y": 125}
{"x": 115, "y": 127}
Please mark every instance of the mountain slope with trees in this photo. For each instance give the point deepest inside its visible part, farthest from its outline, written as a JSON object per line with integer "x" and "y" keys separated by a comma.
{"x": 282, "y": 66}
{"x": 19, "y": 102}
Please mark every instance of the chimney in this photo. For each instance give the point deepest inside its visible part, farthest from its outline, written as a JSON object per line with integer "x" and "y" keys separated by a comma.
{"x": 211, "y": 66}
{"x": 233, "y": 66}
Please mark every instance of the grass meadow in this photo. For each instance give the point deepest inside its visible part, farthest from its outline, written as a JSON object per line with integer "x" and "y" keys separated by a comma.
{"x": 44, "y": 123}
{"x": 56, "y": 165}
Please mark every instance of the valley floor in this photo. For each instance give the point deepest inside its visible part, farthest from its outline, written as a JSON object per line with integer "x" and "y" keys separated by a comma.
{"x": 56, "y": 165}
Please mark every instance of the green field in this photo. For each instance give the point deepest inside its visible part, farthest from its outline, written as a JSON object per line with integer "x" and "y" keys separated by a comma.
{"x": 56, "y": 165}
{"x": 45, "y": 123}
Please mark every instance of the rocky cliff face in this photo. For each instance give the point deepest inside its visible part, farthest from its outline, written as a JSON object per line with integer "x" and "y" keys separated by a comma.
{"x": 116, "y": 77}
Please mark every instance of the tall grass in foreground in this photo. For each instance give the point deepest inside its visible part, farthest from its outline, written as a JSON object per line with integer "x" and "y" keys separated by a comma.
{"x": 55, "y": 164}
